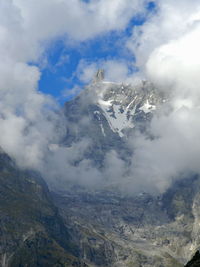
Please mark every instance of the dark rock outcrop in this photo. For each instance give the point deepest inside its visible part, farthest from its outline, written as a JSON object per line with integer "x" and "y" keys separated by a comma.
{"x": 195, "y": 261}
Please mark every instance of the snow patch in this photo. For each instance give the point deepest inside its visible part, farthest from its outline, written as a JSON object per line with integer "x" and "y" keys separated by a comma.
{"x": 120, "y": 120}
{"x": 147, "y": 108}
{"x": 102, "y": 129}
{"x": 105, "y": 103}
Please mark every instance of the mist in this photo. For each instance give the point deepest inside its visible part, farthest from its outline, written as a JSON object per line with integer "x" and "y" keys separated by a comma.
{"x": 30, "y": 122}
{"x": 166, "y": 51}
{"x": 173, "y": 66}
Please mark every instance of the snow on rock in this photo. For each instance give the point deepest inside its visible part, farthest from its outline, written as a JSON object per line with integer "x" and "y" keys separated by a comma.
{"x": 102, "y": 129}
{"x": 123, "y": 105}
{"x": 146, "y": 108}
{"x": 117, "y": 119}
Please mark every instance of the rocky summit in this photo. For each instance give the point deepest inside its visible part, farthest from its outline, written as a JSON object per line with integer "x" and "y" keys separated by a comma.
{"x": 107, "y": 113}
{"x": 118, "y": 229}
{"x": 80, "y": 226}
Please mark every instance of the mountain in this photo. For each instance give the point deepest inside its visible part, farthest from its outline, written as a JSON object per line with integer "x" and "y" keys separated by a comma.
{"x": 143, "y": 230}
{"x": 31, "y": 229}
{"x": 106, "y": 113}
{"x": 77, "y": 225}
{"x": 118, "y": 229}
{"x": 115, "y": 107}
{"x": 195, "y": 261}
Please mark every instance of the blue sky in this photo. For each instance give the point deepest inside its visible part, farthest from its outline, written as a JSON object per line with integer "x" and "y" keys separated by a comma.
{"x": 60, "y": 72}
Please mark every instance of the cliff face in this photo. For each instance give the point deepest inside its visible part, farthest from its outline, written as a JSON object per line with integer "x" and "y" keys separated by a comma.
{"x": 195, "y": 261}
{"x": 32, "y": 232}
{"x": 129, "y": 231}
{"x": 100, "y": 226}
{"x": 116, "y": 229}
{"x": 96, "y": 229}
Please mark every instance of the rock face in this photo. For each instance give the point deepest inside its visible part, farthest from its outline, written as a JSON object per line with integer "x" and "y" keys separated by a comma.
{"x": 94, "y": 228}
{"x": 114, "y": 107}
{"x": 116, "y": 229}
{"x": 195, "y": 261}
{"x": 32, "y": 232}
{"x": 107, "y": 113}
{"x": 104, "y": 227}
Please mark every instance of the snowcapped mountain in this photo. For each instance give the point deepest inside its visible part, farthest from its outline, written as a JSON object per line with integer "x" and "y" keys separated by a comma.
{"x": 124, "y": 105}
{"x": 125, "y": 230}
{"x": 106, "y": 113}
{"x": 82, "y": 226}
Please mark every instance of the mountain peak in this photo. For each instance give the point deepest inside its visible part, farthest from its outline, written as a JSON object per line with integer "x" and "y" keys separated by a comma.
{"x": 99, "y": 76}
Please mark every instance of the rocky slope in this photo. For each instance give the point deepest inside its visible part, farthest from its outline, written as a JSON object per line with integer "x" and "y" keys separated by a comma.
{"x": 77, "y": 226}
{"x": 106, "y": 113}
{"x": 32, "y": 232}
{"x": 101, "y": 228}
{"x": 116, "y": 229}
{"x": 114, "y": 107}
{"x": 195, "y": 261}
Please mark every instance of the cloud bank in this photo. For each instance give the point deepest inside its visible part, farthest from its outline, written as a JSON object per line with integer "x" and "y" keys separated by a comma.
{"x": 166, "y": 48}
{"x": 168, "y": 54}
{"x": 28, "y": 121}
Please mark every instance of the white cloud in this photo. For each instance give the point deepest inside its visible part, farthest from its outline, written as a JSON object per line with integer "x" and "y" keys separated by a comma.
{"x": 28, "y": 123}
{"x": 115, "y": 70}
{"x": 178, "y": 63}
{"x": 171, "y": 21}
{"x": 80, "y": 20}
{"x": 167, "y": 50}
{"x": 86, "y": 71}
